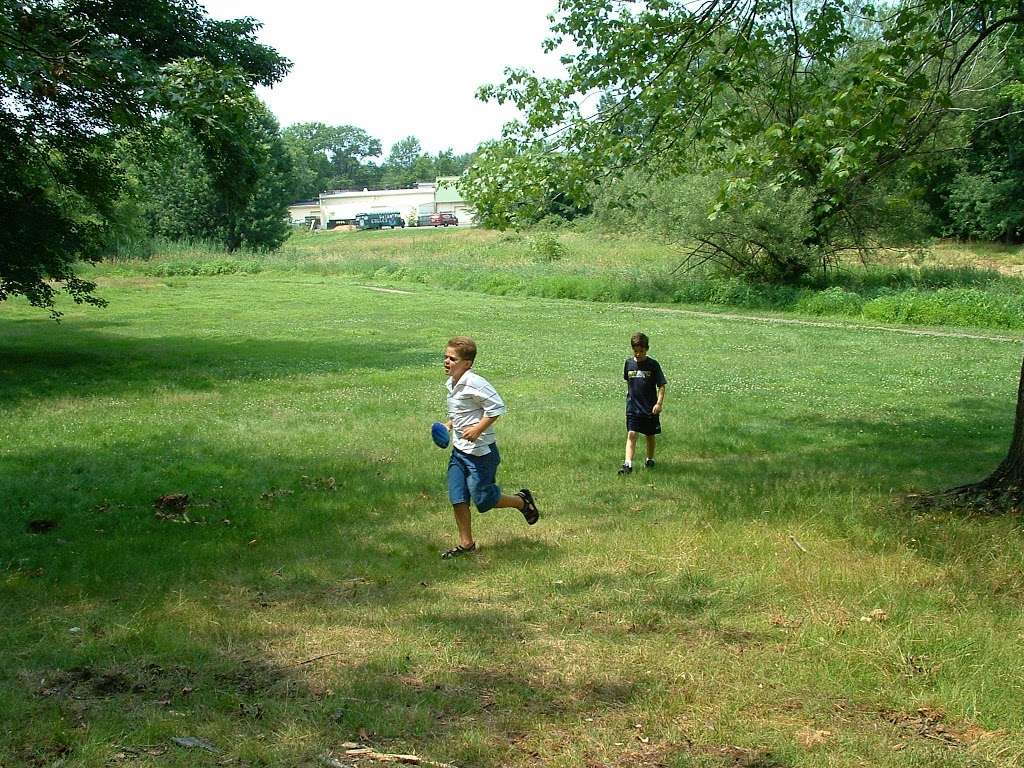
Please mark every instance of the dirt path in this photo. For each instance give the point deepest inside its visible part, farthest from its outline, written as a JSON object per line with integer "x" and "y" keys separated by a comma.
{"x": 823, "y": 324}
{"x": 790, "y": 321}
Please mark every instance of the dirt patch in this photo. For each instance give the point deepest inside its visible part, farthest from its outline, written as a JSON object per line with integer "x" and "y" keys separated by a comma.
{"x": 42, "y": 755}
{"x": 933, "y": 725}
{"x": 253, "y": 678}
{"x": 173, "y": 507}
{"x": 88, "y": 683}
{"x": 110, "y": 683}
{"x": 40, "y": 526}
{"x": 132, "y": 282}
{"x": 810, "y": 738}
{"x": 740, "y": 757}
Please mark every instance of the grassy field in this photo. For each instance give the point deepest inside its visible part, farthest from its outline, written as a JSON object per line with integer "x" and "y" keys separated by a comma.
{"x": 582, "y": 251}
{"x": 764, "y": 597}
{"x": 949, "y": 284}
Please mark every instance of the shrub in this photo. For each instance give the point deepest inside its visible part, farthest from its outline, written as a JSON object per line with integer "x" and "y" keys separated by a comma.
{"x": 546, "y": 248}
{"x": 831, "y": 301}
{"x": 949, "y": 306}
{"x": 750, "y": 231}
{"x": 987, "y": 206}
{"x": 204, "y": 268}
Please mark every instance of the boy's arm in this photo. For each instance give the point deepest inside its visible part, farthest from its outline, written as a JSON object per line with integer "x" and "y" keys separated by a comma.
{"x": 661, "y": 401}
{"x": 473, "y": 432}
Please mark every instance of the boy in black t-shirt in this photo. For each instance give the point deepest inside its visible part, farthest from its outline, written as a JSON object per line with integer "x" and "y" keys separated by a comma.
{"x": 645, "y": 396}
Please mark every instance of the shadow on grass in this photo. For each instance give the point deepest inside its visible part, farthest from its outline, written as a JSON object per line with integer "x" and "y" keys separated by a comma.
{"x": 103, "y": 524}
{"x": 266, "y": 538}
{"x": 850, "y": 476}
{"x": 392, "y": 702}
{"x": 836, "y": 455}
{"x": 271, "y": 537}
{"x": 81, "y": 360}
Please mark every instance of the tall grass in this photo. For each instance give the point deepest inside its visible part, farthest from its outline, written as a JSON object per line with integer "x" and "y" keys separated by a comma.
{"x": 594, "y": 266}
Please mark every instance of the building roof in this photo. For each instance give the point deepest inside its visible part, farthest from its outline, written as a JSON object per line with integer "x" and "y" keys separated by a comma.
{"x": 376, "y": 193}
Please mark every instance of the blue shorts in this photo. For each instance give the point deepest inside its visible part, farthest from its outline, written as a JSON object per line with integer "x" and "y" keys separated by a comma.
{"x": 645, "y": 425}
{"x": 471, "y": 478}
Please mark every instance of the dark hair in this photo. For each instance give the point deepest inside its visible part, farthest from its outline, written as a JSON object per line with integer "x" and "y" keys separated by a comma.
{"x": 640, "y": 340}
{"x": 465, "y": 346}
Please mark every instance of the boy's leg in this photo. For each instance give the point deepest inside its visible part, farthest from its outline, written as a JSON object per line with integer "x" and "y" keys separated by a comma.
{"x": 510, "y": 502}
{"x": 630, "y": 447}
{"x": 523, "y": 501}
{"x": 486, "y": 493}
{"x": 464, "y": 521}
{"x": 481, "y": 480}
{"x": 650, "y": 447}
{"x": 459, "y": 495}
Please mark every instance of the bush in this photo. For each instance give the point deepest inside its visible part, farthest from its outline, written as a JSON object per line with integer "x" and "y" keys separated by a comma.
{"x": 546, "y": 248}
{"x": 750, "y": 231}
{"x": 949, "y": 306}
{"x": 987, "y": 206}
{"x": 204, "y": 268}
{"x": 831, "y": 301}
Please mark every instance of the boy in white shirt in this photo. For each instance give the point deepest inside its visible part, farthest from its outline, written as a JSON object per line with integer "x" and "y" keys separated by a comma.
{"x": 473, "y": 407}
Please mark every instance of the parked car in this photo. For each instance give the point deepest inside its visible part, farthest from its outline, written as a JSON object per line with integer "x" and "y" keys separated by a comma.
{"x": 443, "y": 220}
{"x": 379, "y": 220}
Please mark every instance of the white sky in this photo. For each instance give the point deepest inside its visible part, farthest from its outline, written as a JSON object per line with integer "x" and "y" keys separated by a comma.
{"x": 397, "y": 68}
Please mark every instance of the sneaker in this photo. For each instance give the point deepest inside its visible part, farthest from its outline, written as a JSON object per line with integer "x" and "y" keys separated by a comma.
{"x": 649, "y": 463}
{"x": 530, "y": 511}
{"x": 625, "y": 469}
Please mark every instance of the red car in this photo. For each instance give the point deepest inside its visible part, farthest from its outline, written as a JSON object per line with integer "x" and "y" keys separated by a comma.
{"x": 443, "y": 220}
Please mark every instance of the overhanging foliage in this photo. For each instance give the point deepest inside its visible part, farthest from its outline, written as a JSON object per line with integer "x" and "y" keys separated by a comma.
{"x": 831, "y": 99}
{"x": 76, "y": 75}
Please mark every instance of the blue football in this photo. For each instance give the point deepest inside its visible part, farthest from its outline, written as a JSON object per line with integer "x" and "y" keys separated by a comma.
{"x": 439, "y": 434}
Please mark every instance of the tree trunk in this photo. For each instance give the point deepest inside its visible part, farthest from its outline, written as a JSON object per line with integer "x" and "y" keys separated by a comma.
{"x": 1003, "y": 486}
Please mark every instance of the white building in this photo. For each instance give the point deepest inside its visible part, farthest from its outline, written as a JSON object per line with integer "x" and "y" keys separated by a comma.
{"x": 343, "y": 207}
{"x": 340, "y": 208}
{"x": 302, "y": 211}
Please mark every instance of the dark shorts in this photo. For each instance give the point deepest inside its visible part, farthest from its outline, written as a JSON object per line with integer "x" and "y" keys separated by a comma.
{"x": 471, "y": 478}
{"x": 645, "y": 425}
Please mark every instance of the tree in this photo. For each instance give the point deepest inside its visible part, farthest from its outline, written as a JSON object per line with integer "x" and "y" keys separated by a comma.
{"x": 75, "y": 76}
{"x": 168, "y": 191}
{"x": 511, "y": 185}
{"x": 177, "y": 196}
{"x": 407, "y": 164}
{"x": 329, "y": 157}
{"x": 399, "y": 171}
{"x": 447, "y": 163}
{"x": 247, "y": 163}
{"x": 985, "y": 197}
{"x": 832, "y": 100}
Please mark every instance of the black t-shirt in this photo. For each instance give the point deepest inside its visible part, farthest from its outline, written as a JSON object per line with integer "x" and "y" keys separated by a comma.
{"x": 643, "y": 380}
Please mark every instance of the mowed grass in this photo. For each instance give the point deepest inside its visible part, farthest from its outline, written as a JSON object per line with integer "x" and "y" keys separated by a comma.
{"x": 764, "y": 597}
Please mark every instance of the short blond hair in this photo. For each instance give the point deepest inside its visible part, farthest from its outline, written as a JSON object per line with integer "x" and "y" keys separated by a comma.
{"x": 465, "y": 346}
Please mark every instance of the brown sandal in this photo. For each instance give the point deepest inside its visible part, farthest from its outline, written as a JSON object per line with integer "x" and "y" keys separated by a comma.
{"x": 529, "y": 510}
{"x": 459, "y": 550}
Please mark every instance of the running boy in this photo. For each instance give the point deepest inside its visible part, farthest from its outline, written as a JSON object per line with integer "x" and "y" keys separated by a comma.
{"x": 645, "y": 396}
{"x": 473, "y": 407}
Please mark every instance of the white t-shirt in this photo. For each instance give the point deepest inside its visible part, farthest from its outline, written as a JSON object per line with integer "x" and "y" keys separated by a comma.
{"x": 470, "y": 400}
